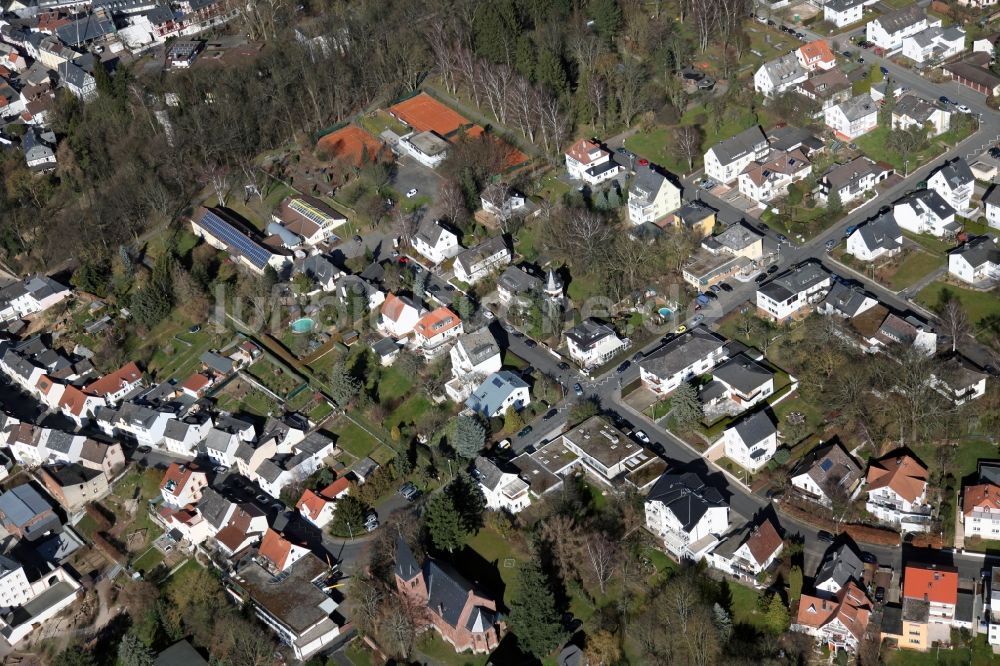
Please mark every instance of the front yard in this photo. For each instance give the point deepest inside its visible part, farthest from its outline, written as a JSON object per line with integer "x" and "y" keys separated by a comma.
{"x": 978, "y": 304}
{"x": 876, "y": 145}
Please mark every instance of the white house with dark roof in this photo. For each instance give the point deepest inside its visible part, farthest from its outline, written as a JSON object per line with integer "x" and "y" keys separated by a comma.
{"x": 839, "y": 568}
{"x": 778, "y": 75}
{"x": 912, "y": 111}
{"x": 880, "y": 237}
{"x": 688, "y": 355}
{"x": 32, "y": 295}
{"x": 853, "y": 179}
{"x": 934, "y": 44}
{"x": 435, "y": 241}
{"x": 959, "y": 380}
{"x": 977, "y": 262}
{"x": 751, "y": 441}
{"x": 846, "y": 301}
{"x": 749, "y": 551}
{"x": 587, "y": 161}
{"x": 515, "y": 285}
{"x": 843, "y": 12}
{"x": 769, "y": 180}
{"x": 474, "y": 356}
{"x": 889, "y": 30}
{"x": 477, "y": 262}
{"x": 852, "y": 118}
{"x": 991, "y": 203}
{"x": 955, "y": 183}
{"x": 498, "y": 393}
{"x": 686, "y": 515}
{"x": 591, "y": 343}
{"x": 827, "y": 469}
{"x": 504, "y": 491}
{"x": 925, "y": 212}
{"x": 791, "y": 292}
{"x": 75, "y": 79}
{"x": 743, "y": 381}
{"x": 726, "y": 160}
{"x": 652, "y": 196}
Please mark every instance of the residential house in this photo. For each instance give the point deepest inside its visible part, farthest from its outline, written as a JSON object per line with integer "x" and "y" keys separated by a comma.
{"x": 435, "y": 241}
{"x": 500, "y": 391}
{"x": 838, "y": 623}
{"x": 925, "y": 212}
{"x": 879, "y": 328}
{"x": 689, "y": 355}
{"x": 733, "y": 252}
{"x": 992, "y": 608}
{"x": 399, "y": 316}
{"x": 853, "y": 179}
{"x": 696, "y": 218}
{"x": 293, "y": 464}
{"x": 828, "y": 88}
{"x": 474, "y": 356}
{"x": 602, "y": 450}
{"x": 181, "y": 653}
{"x": 476, "y": 263}
{"x": 503, "y": 203}
{"x": 878, "y": 237}
{"x": 44, "y": 598}
{"x": 104, "y": 456}
{"x": 182, "y": 484}
{"x": 897, "y": 492}
{"x": 115, "y": 386}
{"x": 387, "y": 350}
{"x": 776, "y": 76}
{"x": 748, "y": 552}
{"x": 182, "y": 436}
{"x": 973, "y": 71}
{"x": 841, "y": 566}
{"x": 959, "y": 380}
{"x": 726, "y": 160}
{"x": 652, "y": 196}
{"x": 741, "y": 381}
{"x": 504, "y": 491}
{"x": 852, "y": 118}
{"x": 789, "y": 294}
{"x": 32, "y": 295}
{"x": 320, "y": 271}
{"x": 241, "y": 528}
{"x": 425, "y": 147}
{"x": 515, "y": 287}
{"x": 842, "y": 13}
{"x": 318, "y": 506}
{"x": 225, "y": 437}
{"x": 587, "y": 161}
{"x": 846, "y": 301}
{"x": 225, "y": 232}
{"x": 460, "y": 611}
{"x": 591, "y": 343}
{"x": 827, "y": 470}
{"x": 686, "y": 515}
{"x": 25, "y": 514}
{"x": 766, "y": 181}
{"x": 935, "y": 584}
{"x": 912, "y": 111}
{"x": 435, "y": 331}
{"x": 39, "y": 148}
{"x": 217, "y": 363}
{"x": 934, "y": 44}
{"x": 74, "y": 485}
{"x": 308, "y": 218}
{"x": 955, "y": 183}
{"x": 359, "y": 294}
{"x": 196, "y": 385}
{"x": 976, "y": 262}
{"x": 75, "y": 79}
{"x": 888, "y": 31}
{"x": 816, "y": 55}
{"x": 142, "y": 424}
{"x": 751, "y": 441}
{"x": 991, "y": 202}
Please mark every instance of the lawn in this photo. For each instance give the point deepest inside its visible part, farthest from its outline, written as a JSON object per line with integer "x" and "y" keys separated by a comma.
{"x": 979, "y": 655}
{"x": 745, "y": 607}
{"x": 408, "y": 412}
{"x": 320, "y": 412}
{"x": 930, "y": 243}
{"x": 87, "y": 527}
{"x": 512, "y": 360}
{"x": 433, "y": 646}
{"x": 149, "y": 560}
{"x": 353, "y": 439}
{"x": 913, "y": 268}
{"x": 553, "y": 188}
{"x": 875, "y": 145}
{"x": 966, "y": 458}
{"x": 148, "y": 481}
{"x": 728, "y": 126}
{"x": 379, "y": 121}
{"x": 393, "y": 384}
{"x": 656, "y": 146}
{"x": 358, "y": 653}
{"x": 978, "y": 304}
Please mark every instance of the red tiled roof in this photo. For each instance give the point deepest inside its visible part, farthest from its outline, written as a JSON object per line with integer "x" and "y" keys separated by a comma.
{"x": 113, "y": 382}
{"x": 818, "y": 50}
{"x": 903, "y": 474}
{"x": 764, "y": 541}
{"x": 312, "y": 503}
{"x": 196, "y": 382}
{"x": 275, "y": 548}
{"x": 437, "y": 322}
{"x": 982, "y": 496}
{"x": 73, "y": 400}
{"x": 337, "y": 488}
{"x": 580, "y": 151}
{"x": 851, "y": 607}
{"x": 936, "y": 585}
{"x": 393, "y": 307}
{"x": 179, "y": 474}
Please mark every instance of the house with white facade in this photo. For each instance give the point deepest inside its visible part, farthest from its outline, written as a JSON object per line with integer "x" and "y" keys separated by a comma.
{"x": 889, "y": 30}
{"x": 398, "y": 316}
{"x": 846, "y": 301}
{"x": 843, "y": 12}
{"x": 976, "y": 262}
{"x": 876, "y": 238}
{"x": 504, "y": 491}
{"x": 726, "y": 160}
{"x": 751, "y": 441}
{"x": 955, "y": 183}
{"x": 689, "y": 355}
{"x": 686, "y": 515}
{"x": 748, "y": 552}
{"x": 515, "y": 286}
{"x": 934, "y": 44}
{"x": 959, "y": 380}
{"x": 776, "y": 76}
{"x": 498, "y": 393}
{"x": 792, "y": 292}
{"x": 425, "y": 147}
{"x": 852, "y": 118}
{"x": 925, "y": 212}
{"x": 587, "y": 161}
{"x": 839, "y": 623}
{"x": 991, "y": 202}
{"x": 937, "y": 586}
{"x": 652, "y": 196}
{"x": 182, "y": 484}
{"x": 852, "y": 180}
{"x": 32, "y": 295}
{"x": 827, "y": 88}
{"x": 435, "y": 331}
{"x": 840, "y": 567}
{"x": 602, "y": 450}
{"x": 591, "y": 343}
{"x": 764, "y": 181}
{"x": 477, "y": 262}
{"x": 435, "y": 241}
{"x": 897, "y": 492}
{"x": 913, "y": 111}
{"x": 318, "y": 506}
{"x": 825, "y": 470}
{"x": 816, "y": 56}
{"x": 474, "y": 356}
{"x": 741, "y": 380}
{"x": 182, "y": 436}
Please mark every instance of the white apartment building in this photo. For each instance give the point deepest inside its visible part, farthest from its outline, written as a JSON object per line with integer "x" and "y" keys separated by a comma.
{"x": 726, "y": 160}
{"x": 591, "y": 343}
{"x": 686, "y": 515}
{"x": 503, "y": 491}
{"x": 687, "y": 356}
{"x": 977, "y": 262}
{"x": 889, "y": 30}
{"x": 789, "y": 294}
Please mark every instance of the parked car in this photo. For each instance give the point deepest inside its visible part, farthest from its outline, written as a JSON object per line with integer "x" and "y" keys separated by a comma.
{"x": 708, "y": 184}
{"x": 358, "y": 239}
{"x": 760, "y": 278}
{"x": 625, "y": 365}
{"x": 944, "y": 100}
{"x": 549, "y": 414}
{"x": 830, "y": 244}
{"x": 879, "y": 594}
{"x": 372, "y": 526}
{"x": 641, "y": 436}
{"x": 503, "y": 444}
{"x": 525, "y": 431}
{"x": 711, "y": 294}
{"x": 823, "y": 535}
{"x": 846, "y": 54}
{"x": 578, "y": 389}
{"x": 563, "y": 365}
{"x": 861, "y": 60}
{"x": 963, "y": 108}
{"x": 528, "y": 371}
{"x": 716, "y": 288}
{"x": 681, "y": 329}
{"x": 488, "y": 315}
{"x": 885, "y": 72}
{"x": 763, "y": 227}
{"x": 725, "y": 286}
{"x": 410, "y": 193}
{"x": 529, "y": 343}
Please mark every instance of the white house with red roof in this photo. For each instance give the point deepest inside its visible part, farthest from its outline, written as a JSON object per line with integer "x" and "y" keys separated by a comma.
{"x": 278, "y": 553}
{"x": 587, "y": 161}
{"x": 114, "y": 386}
{"x": 77, "y": 405}
{"x": 196, "y": 385}
{"x": 398, "y": 316}
{"x": 897, "y": 492}
{"x": 245, "y": 527}
{"x": 183, "y": 484}
{"x": 748, "y": 552}
{"x": 318, "y": 506}
{"x": 839, "y": 623}
{"x": 435, "y": 330}
{"x": 816, "y": 55}
{"x": 981, "y": 510}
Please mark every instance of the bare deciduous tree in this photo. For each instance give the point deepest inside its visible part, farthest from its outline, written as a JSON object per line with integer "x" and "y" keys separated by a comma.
{"x": 688, "y": 141}
{"x": 602, "y": 556}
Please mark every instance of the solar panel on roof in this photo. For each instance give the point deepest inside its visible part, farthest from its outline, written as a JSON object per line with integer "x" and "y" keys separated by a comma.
{"x": 309, "y": 212}
{"x": 826, "y": 465}
{"x": 235, "y": 239}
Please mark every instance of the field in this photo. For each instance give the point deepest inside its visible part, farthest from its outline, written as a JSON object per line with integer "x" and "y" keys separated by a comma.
{"x": 978, "y": 304}
{"x": 352, "y": 438}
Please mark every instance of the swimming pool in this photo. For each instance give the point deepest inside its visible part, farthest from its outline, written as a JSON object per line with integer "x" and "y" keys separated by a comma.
{"x": 303, "y": 325}
{"x": 665, "y": 312}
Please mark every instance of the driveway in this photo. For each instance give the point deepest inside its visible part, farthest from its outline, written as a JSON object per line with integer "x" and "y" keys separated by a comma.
{"x": 410, "y": 174}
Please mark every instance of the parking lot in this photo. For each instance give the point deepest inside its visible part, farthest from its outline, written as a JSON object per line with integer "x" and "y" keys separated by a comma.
{"x": 412, "y": 175}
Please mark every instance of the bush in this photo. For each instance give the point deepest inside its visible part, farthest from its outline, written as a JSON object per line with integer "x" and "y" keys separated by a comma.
{"x": 781, "y": 456}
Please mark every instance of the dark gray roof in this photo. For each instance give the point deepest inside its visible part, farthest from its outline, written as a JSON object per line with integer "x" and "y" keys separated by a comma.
{"x": 479, "y": 345}
{"x": 686, "y": 496}
{"x": 743, "y": 373}
{"x": 956, "y": 173}
{"x": 646, "y": 185}
{"x": 474, "y": 255}
{"x": 787, "y": 138}
{"x": 447, "y": 590}
{"x": 22, "y": 503}
{"x": 73, "y": 75}
{"x": 846, "y": 299}
{"x": 881, "y": 232}
{"x": 216, "y": 362}
{"x": 858, "y": 107}
{"x": 791, "y": 282}
{"x": 180, "y": 654}
{"x": 829, "y": 463}
{"x": 317, "y": 268}
{"x": 589, "y": 332}
{"x": 693, "y": 212}
{"x": 903, "y": 18}
{"x": 978, "y": 251}
{"x": 213, "y": 507}
{"x": 72, "y": 474}
{"x": 841, "y": 565}
{"x": 755, "y": 428}
{"x": 843, "y": 5}
{"x": 385, "y": 346}
{"x": 927, "y": 201}
{"x": 313, "y": 443}
{"x": 915, "y": 107}
{"x": 59, "y": 441}
{"x": 744, "y": 143}
{"x": 489, "y": 474}
{"x": 430, "y": 232}
{"x": 842, "y": 175}
{"x": 406, "y": 563}
{"x": 517, "y": 281}
{"x": 85, "y": 30}
{"x": 683, "y": 350}
{"x": 992, "y": 196}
